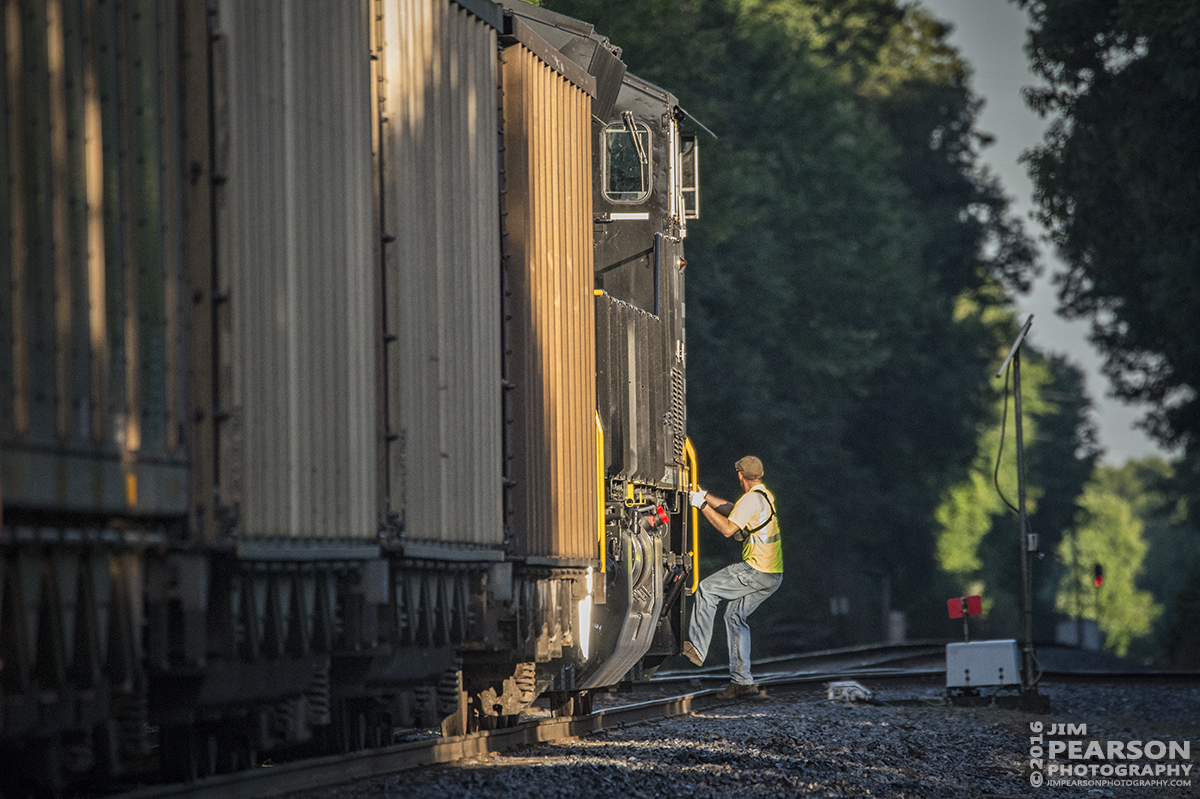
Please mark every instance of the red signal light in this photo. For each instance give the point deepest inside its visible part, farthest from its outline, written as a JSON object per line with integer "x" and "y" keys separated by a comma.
{"x": 1098, "y": 576}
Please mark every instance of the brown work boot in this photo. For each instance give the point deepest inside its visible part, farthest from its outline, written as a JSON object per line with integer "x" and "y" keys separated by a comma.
{"x": 689, "y": 652}
{"x": 736, "y": 690}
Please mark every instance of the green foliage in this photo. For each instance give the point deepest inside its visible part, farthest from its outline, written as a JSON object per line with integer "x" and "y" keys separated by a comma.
{"x": 1064, "y": 452}
{"x": 972, "y": 508}
{"x": 1179, "y": 561}
{"x": 1183, "y": 641}
{"x": 1110, "y": 533}
{"x": 845, "y": 222}
{"x": 1158, "y": 496}
{"x": 1117, "y": 182}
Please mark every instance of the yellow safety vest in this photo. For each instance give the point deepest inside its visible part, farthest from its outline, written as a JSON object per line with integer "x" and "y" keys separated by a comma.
{"x": 762, "y": 548}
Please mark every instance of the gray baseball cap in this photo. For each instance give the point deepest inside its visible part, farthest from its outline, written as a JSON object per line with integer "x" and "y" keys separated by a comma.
{"x": 750, "y": 467}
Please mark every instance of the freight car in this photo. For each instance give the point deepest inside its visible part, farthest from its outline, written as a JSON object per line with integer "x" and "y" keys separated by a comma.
{"x": 343, "y": 377}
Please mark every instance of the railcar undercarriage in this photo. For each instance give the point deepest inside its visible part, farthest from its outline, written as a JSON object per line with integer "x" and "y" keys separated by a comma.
{"x": 125, "y": 657}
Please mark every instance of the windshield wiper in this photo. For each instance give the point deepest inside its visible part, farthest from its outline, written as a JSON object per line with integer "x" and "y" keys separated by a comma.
{"x": 637, "y": 140}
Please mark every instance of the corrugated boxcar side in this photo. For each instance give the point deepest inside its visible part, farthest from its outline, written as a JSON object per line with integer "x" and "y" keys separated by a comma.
{"x": 547, "y": 159}
{"x": 90, "y": 367}
{"x": 442, "y": 272}
{"x": 297, "y": 450}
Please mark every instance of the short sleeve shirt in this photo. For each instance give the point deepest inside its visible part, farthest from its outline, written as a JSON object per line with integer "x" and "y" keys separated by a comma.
{"x": 762, "y": 550}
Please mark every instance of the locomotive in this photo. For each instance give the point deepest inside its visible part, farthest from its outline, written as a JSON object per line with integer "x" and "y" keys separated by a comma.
{"x": 343, "y": 378}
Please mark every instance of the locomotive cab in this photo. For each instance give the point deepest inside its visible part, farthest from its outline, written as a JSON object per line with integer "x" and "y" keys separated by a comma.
{"x": 646, "y": 190}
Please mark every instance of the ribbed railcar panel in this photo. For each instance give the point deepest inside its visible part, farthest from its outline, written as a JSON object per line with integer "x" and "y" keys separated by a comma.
{"x": 635, "y": 385}
{"x": 297, "y": 447}
{"x": 89, "y": 258}
{"x": 549, "y": 261}
{"x": 442, "y": 272}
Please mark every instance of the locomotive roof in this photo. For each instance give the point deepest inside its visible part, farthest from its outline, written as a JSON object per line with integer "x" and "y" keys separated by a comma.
{"x": 595, "y": 53}
{"x": 578, "y": 42}
{"x": 646, "y": 87}
{"x": 561, "y": 27}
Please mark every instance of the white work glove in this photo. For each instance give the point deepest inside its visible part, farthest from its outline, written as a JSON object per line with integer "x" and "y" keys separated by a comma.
{"x": 699, "y": 498}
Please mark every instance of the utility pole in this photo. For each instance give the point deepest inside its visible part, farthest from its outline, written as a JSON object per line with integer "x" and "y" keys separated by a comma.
{"x": 1026, "y": 544}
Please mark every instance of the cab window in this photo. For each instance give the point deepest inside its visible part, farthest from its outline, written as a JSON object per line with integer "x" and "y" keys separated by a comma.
{"x": 626, "y": 161}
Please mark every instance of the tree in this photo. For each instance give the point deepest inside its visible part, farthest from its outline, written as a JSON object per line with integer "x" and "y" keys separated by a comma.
{"x": 1182, "y": 643}
{"x": 1065, "y": 451}
{"x": 1118, "y": 181}
{"x": 1061, "y": 461}
{"x": 1110, "y": 533}
{"x": 1157, "y": 496}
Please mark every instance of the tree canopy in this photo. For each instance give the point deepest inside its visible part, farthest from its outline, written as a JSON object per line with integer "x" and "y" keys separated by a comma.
{"x": 1111, "y": 534}
{"x": 1118, "y": 181}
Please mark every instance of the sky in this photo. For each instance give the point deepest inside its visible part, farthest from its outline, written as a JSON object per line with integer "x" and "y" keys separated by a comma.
{"x": 991, "y": 35}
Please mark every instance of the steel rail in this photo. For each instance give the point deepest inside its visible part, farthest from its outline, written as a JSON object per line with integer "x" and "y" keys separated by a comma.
{"x": 1122, "y": 677}
{"x": 336, "y": 769}
{"x": 830, "y": 659}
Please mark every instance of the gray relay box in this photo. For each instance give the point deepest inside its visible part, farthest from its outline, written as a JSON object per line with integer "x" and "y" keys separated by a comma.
{"x": 982, "y": 663}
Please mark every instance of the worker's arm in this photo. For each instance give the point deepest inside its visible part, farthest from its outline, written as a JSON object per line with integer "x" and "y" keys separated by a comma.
{"x": 721, "y": 506}
{"x": 717, "y": 511}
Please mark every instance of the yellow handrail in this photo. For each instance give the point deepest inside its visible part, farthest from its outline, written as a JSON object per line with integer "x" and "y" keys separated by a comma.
{"x": 600, "y": 494}
{"x": 693, "y": 470}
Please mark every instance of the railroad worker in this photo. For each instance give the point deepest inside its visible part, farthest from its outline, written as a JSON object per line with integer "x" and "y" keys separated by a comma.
{"x": 753, "y": 521}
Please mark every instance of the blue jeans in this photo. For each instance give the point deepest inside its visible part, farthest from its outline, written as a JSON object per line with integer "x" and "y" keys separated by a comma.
{"x": 745, "y": 587}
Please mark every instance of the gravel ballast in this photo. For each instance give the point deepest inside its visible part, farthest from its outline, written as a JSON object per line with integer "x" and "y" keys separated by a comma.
{"x": 908, "y": 743}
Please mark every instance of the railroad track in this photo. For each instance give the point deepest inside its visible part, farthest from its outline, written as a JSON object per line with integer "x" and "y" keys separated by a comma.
{"x": 820, "y": 665}
{"x": 908, "y": 663}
